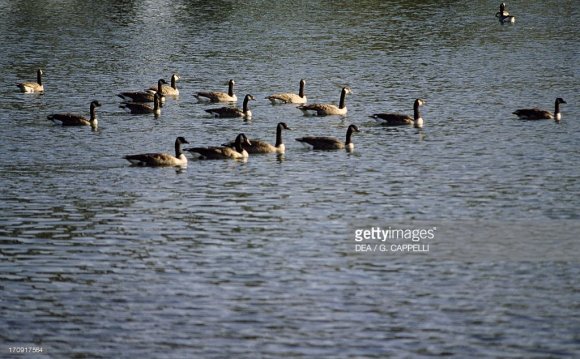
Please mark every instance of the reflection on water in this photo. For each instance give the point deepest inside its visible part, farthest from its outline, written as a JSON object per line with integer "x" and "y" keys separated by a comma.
{"x": 232, "y": 259}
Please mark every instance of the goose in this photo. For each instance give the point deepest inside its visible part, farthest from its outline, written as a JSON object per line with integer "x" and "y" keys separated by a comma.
{"x": 31, "y": 87}
{"x": 330, "y": 143}
{"x": 68, "y": 119}
{"x": 398, "y": 119}
{"x": 258, "y": 146}
{"x": 230, "y": 112}
{"x": 167, "y": 89}
{"x": 537, "y": 114}
{"x": 138, "y": 108}
{"x": 218, "y": 96}
{"x": 161, "y": 159}
{"x": 224, "y": 152}
{"x": 503, "y": 15}
{"x": 319, "y": 109}
{"x": 289, "y": 97}
{"x": 145, "y": 96}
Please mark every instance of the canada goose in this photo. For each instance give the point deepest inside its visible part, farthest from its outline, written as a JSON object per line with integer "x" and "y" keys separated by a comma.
{"x": 503, "y": 15}
{"x": 31, "y": 87}
{"x": 167, "y": 89}
{"x": 138, "y": 108}
{"x": 219, "y": 96}
{"x": 330, "y": 143}
{"x": 258, "y": 146}
{"x": 319, "y": 109}
{"x": 161, "y": 159}
{"x": 537, "y": 114}
{"x": 145, "y": 96}
{"x": 224, "y": 152}
{"x": 69, "y": 119}
{"x": 289, "y": 97}
{"x": 230, "y": 112}
{"x": 398, "y": 119}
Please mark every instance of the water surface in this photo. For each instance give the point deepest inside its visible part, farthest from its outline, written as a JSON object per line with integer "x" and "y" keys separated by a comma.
{"x": 258, "y": 259}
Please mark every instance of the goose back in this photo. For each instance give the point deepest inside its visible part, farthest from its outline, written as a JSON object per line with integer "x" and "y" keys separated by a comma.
{"x": 32, "y": 87}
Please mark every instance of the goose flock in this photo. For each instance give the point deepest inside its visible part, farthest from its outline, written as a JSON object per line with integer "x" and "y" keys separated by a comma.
{"x": 138, "y": 102}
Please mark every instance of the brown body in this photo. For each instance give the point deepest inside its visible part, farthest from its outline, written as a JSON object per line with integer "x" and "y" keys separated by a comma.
{"x": 330, "y": 143}
{"x": 69, "y": 119}
{"x": 223, "y": 152}
{"x": 323, "y": 109}
{"x": 258, "y": 146}
{"x": 167, "y": 89}
{"x": 229, "y": 96}
{"x": 161, "y": 159}
{"x": 31, "y": 87}
{"x": 233, "y": 112}
{"x": 290, "y": 97}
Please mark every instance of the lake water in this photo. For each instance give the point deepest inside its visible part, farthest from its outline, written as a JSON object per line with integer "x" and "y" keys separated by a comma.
{"x": 226, "y": 259}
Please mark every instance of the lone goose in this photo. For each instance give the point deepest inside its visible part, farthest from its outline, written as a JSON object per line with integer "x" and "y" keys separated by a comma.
{"x": 537, "y": 114}
{"x": 145, "y": 96}
{"x": 330, "y": 143}
{"x": 289, "y": 97}
{"x": 319, "y": 109}
{"x": 167, "y": 89}
{"x": 398, "y": 119}
{"x": 218, "y": 96}
{"x": 258, "y": 146}
{"x": 31, "y": 87}
{"x": 69, "y": 119}
{"x": 230, "y": 112}
{"x": 161, "y": 159}
{"x": 503, "y": 15}
{"x": 224, "y": 152}
{"x": 137, "y": 108}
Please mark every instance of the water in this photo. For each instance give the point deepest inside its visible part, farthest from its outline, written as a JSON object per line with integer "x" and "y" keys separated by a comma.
{"x": 258, "y": 259}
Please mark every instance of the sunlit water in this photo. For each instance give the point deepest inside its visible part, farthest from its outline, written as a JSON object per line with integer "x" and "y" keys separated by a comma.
{"x": 258, "y": 259}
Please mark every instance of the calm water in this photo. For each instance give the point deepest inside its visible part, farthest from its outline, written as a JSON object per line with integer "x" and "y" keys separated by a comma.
{"x": 259, "y": 259}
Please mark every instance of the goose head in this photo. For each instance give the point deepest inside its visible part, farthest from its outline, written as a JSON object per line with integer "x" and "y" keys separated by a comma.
{"x": 283, "y": 125}
{"x": 95, "y": 104}
{"x": 241, "y": 140}
{"x": 560, "y": 100}
{"x": 352, "y": 128}
{"x": 178, "y": 142}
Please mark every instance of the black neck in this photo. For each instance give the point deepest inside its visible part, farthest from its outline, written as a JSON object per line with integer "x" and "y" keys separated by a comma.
{"x": 177, "y": 148}
{"x": 93, "y": 112}
{"x": 156, "y": 103}
{"x": 348, "y": 136}
{"x": 231, "y": 89}
{"x": 342, "y": 99}
{"x": 301, "y": 92}
{"x": 557, "y": 107}
{"x": 246, "y": 100}
{"x": 238, "y": 144}
{"x": 278, "y": 135}
{"x": 39, "y": 77}
{"x": 173, "y": 82}
{"x": 160, "y": 87}
{"x": 416, "y": 113}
